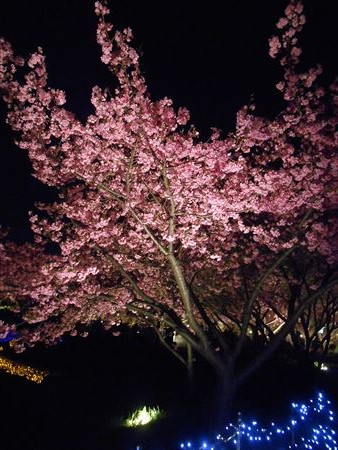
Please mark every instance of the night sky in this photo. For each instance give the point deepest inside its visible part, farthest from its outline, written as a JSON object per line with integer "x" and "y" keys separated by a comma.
{"x": 204, "y": 58}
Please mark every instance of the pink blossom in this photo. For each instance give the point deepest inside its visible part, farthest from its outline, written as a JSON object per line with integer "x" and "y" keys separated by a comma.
{"x": 101, "y": 8}
{"x": 274, "y": 45}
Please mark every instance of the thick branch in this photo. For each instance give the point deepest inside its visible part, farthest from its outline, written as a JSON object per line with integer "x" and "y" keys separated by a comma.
{"x": 284, "y": 331}
{"x": 168, "y": 347}
{"x": 253, "y": 297}
{"x": 172, "y": 208}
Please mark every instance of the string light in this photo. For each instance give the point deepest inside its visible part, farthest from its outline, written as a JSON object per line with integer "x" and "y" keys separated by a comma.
{"x": 310, "y": 427}
{"x": 22, "y": 370}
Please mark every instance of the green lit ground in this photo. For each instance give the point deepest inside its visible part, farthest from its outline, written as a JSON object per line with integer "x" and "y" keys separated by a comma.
{"x": 143, "y": 416}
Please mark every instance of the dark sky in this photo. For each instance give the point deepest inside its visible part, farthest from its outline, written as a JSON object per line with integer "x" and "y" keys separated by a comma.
{"x": 202, "y": 57}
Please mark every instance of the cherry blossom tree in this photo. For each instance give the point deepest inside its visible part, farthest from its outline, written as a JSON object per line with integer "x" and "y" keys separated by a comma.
{"x": 152, "y": 224}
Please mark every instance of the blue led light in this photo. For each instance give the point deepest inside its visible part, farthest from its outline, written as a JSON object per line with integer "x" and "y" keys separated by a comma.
{"x": 309, "y": 428}
{"x": 9, "y": 337}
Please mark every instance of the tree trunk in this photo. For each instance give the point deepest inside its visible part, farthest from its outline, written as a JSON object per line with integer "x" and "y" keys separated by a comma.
{"x": 222, "y": 404}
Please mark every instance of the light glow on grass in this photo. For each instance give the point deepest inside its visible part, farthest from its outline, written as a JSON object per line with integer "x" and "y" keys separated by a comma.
{"x": 143, "y": 416}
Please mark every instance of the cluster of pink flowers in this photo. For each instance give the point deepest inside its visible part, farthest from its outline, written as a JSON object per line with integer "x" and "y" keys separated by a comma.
{"x": 138, "y": 191}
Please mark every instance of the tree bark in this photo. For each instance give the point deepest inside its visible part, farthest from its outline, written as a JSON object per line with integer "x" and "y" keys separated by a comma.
{"x": 223, "y": 397}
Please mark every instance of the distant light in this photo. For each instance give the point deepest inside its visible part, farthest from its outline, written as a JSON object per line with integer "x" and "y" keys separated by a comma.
{"x": 320, "y": 365}
{"x": 22, "y": 370}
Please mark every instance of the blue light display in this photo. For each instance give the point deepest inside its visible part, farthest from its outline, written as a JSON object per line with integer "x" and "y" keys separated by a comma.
{"x": 310, "y": 427}
{"x": 9, "y": 337}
